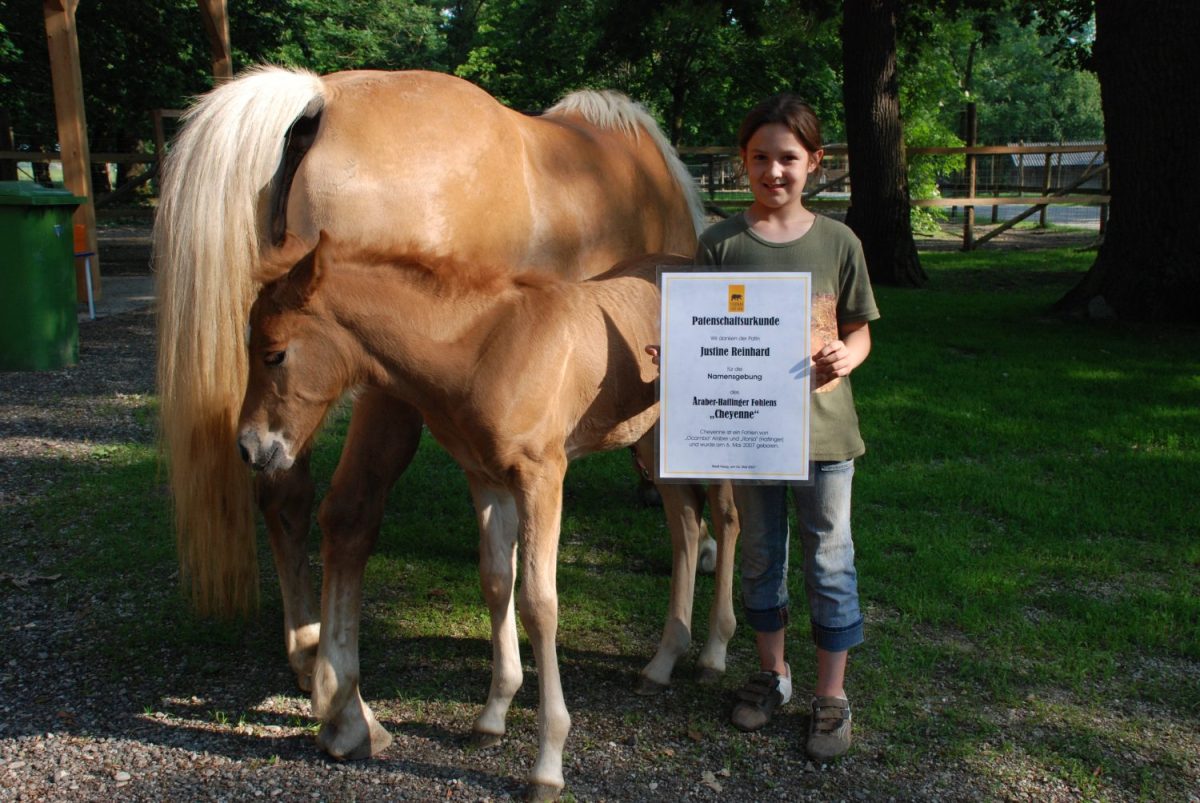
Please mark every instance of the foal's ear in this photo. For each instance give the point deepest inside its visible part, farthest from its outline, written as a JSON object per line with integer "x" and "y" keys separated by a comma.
{"x": 279, "y": 261}
{"x": 305, "y": 276}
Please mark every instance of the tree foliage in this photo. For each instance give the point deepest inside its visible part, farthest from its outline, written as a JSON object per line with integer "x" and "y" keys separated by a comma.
{"x": 697, "y": 64}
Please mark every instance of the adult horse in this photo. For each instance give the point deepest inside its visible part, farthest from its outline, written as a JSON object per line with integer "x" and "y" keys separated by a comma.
{"x": 515, "y": 375}
{"x": 409, "y": 165}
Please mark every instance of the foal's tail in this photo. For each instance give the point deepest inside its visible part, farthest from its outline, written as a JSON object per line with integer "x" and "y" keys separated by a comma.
{"x": 207, "y": 241}
{"x": 608, "y": 109}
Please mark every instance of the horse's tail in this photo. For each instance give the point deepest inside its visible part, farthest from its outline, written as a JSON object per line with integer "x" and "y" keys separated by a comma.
{"x": 207, "y": 242}
{"x": 608, "y": 109}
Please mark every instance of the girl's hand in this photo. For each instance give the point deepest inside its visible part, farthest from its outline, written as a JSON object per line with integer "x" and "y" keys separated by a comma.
{"x": 653, "y": 352}
{"x": 838, "y": 358}
{"x": 832, "y": 361}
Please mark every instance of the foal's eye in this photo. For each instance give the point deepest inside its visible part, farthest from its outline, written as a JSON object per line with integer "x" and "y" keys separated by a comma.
{"x": 274, "y": 358}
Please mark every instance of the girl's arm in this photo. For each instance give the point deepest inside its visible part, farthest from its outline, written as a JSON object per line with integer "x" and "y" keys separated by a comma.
{"x": 840, "y": 357}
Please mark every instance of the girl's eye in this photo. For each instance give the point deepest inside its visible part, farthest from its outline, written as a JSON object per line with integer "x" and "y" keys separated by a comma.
{"x": 274, "y": 358}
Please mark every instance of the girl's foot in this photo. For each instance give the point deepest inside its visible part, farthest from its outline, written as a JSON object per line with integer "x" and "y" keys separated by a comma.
{"x": 829, "y": 729}
{"x": 758, "y": 698}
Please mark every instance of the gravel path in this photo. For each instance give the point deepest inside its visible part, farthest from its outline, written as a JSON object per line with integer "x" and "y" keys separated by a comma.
{"x": 80, "y": 721}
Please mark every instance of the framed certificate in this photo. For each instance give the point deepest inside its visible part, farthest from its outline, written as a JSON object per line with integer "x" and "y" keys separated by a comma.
{"x": 735, "y": 369}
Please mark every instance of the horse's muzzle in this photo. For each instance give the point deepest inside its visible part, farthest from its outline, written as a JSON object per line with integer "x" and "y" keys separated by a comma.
{"x": 264, "y": 454}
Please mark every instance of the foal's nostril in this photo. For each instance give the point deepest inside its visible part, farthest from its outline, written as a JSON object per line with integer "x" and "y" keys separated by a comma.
{"x": 244, "y": 452}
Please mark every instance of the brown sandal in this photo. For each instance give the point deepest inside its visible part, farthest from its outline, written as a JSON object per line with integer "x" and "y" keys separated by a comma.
{"x": 829, "y": 729}
{"x": 758, "y": 698}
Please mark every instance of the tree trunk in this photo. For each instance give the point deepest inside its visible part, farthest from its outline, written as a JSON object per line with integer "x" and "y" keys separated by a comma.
{"x": 879, "y": 201}
{"x": 1148, "y": 267}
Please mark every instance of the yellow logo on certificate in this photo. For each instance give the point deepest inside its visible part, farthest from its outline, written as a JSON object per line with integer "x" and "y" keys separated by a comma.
{"x": 737, "y": 298}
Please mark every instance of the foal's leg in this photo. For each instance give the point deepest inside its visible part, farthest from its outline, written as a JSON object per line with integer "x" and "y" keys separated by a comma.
{"x": 383, "y": 437}
{"x": 497, "y": 572}
{"x": 683, "y": 506}
{"x": 286, "y": 500}
{"x": 538, "y": 494}
{"x": 721, "y": 620}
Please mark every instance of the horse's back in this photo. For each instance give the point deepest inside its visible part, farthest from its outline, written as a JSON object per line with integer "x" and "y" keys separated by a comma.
{"x": 418, "y": 163}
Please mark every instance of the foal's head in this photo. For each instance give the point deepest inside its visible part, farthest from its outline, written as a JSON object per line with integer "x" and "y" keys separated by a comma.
{"x": 301, "y": 362}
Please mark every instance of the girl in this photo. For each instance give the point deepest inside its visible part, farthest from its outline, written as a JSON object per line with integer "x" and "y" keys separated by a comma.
{"x": 780, "y": 142}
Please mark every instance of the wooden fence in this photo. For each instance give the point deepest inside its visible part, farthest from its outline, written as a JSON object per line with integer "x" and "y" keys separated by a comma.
{"x": 1056, "y": 187}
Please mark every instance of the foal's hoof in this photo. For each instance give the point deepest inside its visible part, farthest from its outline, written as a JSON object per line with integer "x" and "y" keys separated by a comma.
{"x": 353, "y": 744}
{"x": 541, "y": 793}
{"x": 708, "y": 676}
{"x": 649, "y": 688}
{"x": 481, "y": 740}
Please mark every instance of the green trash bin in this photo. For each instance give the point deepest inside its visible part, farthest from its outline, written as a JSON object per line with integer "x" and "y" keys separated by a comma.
{"x": 39, "y": 327}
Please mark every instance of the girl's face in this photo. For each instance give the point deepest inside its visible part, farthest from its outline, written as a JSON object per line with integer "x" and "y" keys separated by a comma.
{"x": 778, "y": 164}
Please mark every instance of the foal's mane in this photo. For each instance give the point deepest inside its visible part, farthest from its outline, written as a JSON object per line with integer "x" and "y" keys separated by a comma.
{"x": 447, "y": 275}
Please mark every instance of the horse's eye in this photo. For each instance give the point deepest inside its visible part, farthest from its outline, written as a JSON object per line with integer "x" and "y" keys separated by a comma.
{"x": 274, "y": 358}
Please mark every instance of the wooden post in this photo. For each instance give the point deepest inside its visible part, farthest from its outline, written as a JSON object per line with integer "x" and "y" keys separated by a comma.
{"x": 969, "y": 211}
{"x": 8, "y": 167}
{"x": 1020, "y": 171}
{"x": 1046, "y": 184}
{"x": 72, "y": 124}
{"x": 215, "y": 14}
{"x": 995, "y": 191}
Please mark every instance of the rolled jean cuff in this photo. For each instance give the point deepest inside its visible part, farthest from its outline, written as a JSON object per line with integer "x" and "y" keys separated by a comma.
{"x": 837, "y": 639}
{"x": 769, "y": 620}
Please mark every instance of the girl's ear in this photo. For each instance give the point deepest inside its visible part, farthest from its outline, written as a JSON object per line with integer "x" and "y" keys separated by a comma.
{"x": 814, "y": 160}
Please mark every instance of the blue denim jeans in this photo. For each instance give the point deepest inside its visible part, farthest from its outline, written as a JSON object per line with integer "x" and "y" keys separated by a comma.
{"x": 830, "y": 580}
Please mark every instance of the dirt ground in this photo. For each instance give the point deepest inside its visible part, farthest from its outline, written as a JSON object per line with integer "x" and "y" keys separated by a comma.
{"x": 77, "y": 724}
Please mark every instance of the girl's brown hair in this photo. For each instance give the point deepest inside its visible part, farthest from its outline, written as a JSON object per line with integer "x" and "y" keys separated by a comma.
{"x": 786, "y": 108}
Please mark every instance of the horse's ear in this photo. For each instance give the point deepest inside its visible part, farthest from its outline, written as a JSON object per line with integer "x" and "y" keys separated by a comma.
{"x": 280, "y": 261}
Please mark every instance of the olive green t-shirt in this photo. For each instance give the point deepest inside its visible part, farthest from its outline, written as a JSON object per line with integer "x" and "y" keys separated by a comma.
{"x": 841, "y": 293}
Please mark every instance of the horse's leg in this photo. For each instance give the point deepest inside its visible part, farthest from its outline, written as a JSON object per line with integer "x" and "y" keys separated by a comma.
{"x": 497, "y": 572}
{"x": 383, "y": 437}
{"x": 286, "y": 500}
{"x": 721, "y": 620}
{"x": 683, "y": 505}
{"x": 538, "y": 494}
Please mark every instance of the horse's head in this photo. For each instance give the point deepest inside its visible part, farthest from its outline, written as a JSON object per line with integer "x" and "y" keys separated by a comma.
{"x": 300, "y": 362}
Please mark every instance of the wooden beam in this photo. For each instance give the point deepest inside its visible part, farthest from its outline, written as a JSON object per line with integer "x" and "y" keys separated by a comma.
{"x": 1012, "y": 200}
{"x": 72, "y": 124}
{"x": 215, "y": 14}
{"x": 1008, "y": 224}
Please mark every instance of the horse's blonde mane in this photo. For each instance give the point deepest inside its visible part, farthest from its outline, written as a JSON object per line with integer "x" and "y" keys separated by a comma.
{"x": 206, "y": 247}
{"x": 605, "y": 108}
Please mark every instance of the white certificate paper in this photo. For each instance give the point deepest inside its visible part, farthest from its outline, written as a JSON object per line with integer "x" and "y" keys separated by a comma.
{"x": 734, "y": 375}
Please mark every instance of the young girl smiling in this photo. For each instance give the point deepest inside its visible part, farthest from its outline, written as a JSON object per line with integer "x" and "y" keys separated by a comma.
{"x": 780, "y": 142}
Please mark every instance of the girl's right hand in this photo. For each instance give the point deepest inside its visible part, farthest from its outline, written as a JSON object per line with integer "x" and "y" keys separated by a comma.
{"x": 653, "y": 352}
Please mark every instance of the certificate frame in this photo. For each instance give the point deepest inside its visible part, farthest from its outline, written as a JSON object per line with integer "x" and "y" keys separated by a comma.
{"x": 735, "y": 371}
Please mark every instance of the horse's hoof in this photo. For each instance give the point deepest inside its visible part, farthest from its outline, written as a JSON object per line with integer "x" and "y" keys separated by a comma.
{"x": 481, "y": 740}
{"x": 541, "y": 793}
{"x": 648, "y": 688}
{"x": 708, "y": 676}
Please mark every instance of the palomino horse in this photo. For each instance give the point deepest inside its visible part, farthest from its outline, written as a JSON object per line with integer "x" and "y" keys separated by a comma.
{"x": 411, "y": 165}
{"x": 515, "y": 375}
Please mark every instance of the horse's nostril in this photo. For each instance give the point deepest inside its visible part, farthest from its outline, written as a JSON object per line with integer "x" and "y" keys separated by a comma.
{"x": 244, "y": 452}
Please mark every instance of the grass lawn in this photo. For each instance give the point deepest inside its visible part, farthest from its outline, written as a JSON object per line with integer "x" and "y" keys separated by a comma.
{"x": 1026, "y": 515}
{"x": 1025, "y": 519}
